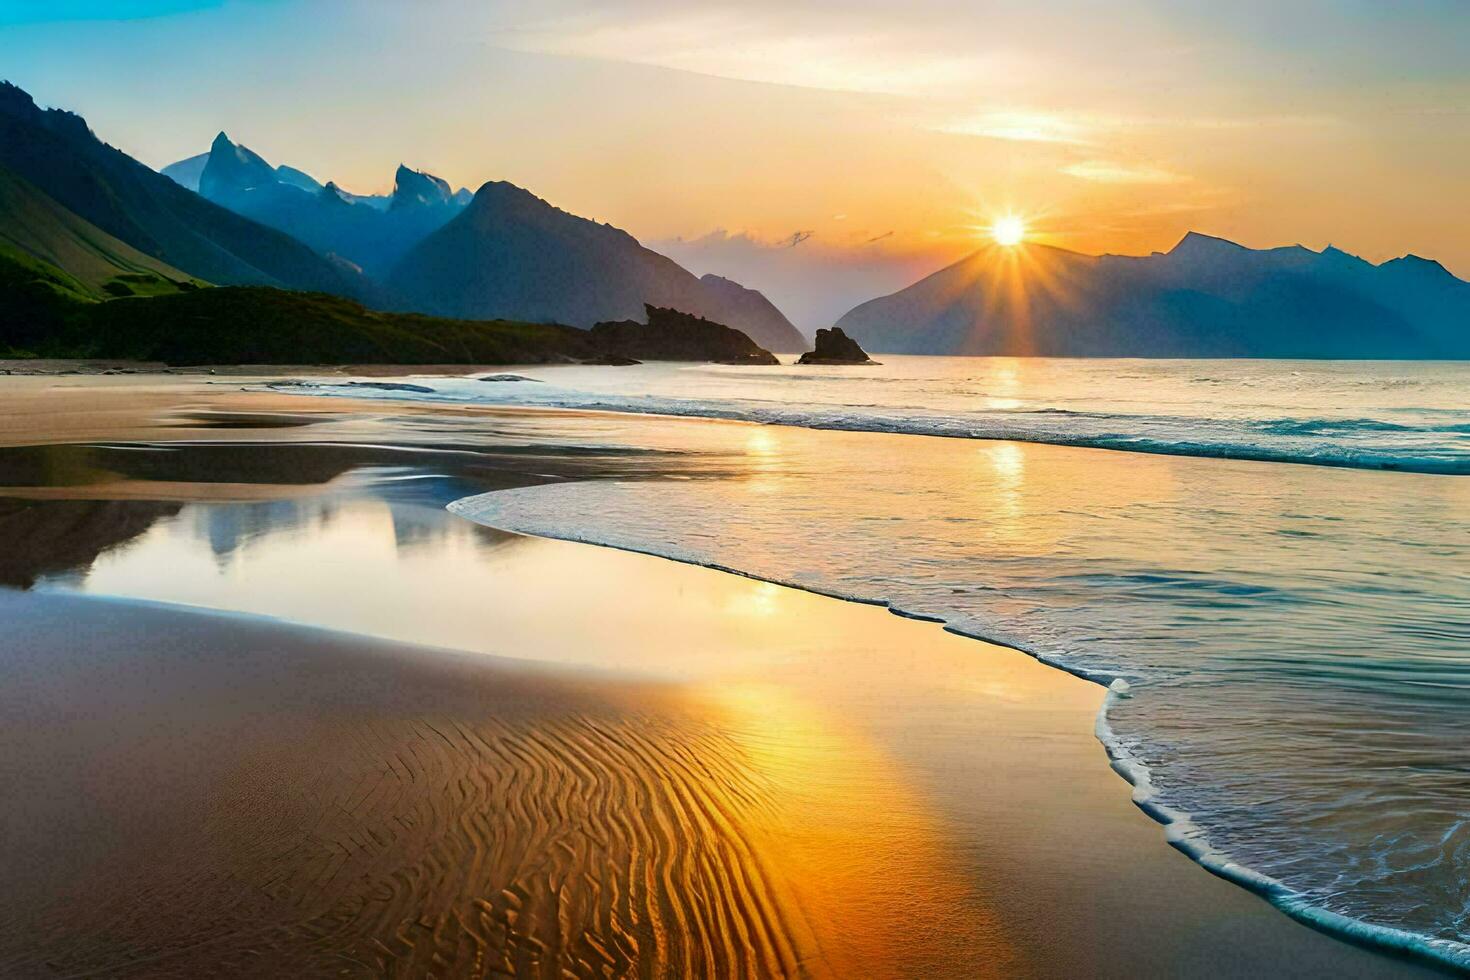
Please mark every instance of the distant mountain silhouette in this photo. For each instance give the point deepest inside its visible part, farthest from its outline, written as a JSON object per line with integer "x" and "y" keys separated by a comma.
{"x": 186, "y": 172}
{"x": 511, "y": 254}
{"x": 1207, "y": 297}
{"x": 414, "y": 189}
{"x": 299, "y": 178}
{"x": 56, "y": 153}
{"x": 371, "y": 233}
{"x": 742, "y": 305}
{"x": 70, "y": 289}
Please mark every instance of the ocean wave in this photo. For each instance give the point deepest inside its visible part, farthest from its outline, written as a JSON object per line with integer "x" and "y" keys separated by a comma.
{"x": 1357, "y": 443}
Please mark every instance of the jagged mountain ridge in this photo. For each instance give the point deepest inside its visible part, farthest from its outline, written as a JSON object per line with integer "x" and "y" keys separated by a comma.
{"x": 1206, "y": 297}
{"x": 58, "y": 154}
{"x": 372, "y": 233}
{"x": 69, "y": 288}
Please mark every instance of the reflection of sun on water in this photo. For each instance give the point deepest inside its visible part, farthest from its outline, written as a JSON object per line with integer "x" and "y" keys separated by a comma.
{"x": 1006, "y": 459}
{"x": 764, "y": 452}
{"x": 761, "y": 443}
{"x": 1006, "y": 485}
{"x": 790, "y": 810}
{"x": 1005, "y": 384}
{"x": 1007, "y": 375}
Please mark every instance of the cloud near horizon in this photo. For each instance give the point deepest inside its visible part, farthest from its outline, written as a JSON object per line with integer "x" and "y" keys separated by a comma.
{"x": 813, "y": 279}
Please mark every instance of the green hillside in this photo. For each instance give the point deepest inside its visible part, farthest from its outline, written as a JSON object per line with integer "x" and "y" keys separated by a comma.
{"x": 34, "y": 300}
{"x": 69, "y": 289}
{"x": 95, "y": 263}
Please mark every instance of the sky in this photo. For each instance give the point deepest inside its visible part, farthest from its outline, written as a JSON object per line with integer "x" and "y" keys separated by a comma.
{"x": 825, "y": 151}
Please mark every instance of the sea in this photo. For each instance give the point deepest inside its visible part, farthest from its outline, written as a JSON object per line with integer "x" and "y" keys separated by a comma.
{"x": 1266, "y": 562}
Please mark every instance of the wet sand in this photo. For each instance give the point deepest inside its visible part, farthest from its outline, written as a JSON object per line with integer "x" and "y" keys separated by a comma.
{"x": 624, "y": 766}
{"x": 199, "y": 795}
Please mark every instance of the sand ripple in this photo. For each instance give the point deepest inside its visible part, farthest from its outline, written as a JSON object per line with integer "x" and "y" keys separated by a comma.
{"x": 430, "y": 817}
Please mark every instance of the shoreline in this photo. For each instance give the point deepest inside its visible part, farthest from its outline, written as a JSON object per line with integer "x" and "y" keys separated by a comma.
{"x": 1240, "y": 445}
{"x": 279, "y": 377}
{"x": 1180, "y": 830}
{"x": 1349, "y": 963}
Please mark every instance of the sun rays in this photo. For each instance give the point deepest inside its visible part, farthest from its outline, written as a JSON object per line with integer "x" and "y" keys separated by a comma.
{"x": 1008, "y": 230}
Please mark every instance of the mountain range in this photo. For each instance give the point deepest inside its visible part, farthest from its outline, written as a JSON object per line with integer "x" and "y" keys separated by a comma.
{"x": 372, "y": 233}
{"x": 499, "y": 253}
{"x": 229, "y": 217}
{"x": 1206, "y": 297}
{"x": 511, "y": 251}
{"x": 101, "y": 256}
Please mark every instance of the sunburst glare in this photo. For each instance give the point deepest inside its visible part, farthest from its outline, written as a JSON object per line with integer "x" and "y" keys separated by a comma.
{"x": 1009, "y": 229}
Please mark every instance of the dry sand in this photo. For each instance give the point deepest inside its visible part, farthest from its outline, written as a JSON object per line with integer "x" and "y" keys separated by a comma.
{"x": 684, "y": 773}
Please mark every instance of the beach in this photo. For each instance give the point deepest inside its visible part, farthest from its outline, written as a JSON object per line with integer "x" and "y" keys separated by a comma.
{"x": 270, "y": 708}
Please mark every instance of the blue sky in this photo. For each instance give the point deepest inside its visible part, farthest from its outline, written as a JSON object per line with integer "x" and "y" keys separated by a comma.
{"x": 53, "y": 11}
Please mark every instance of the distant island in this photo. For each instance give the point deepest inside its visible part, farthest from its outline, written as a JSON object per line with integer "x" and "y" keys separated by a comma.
{"x": 1207, "y": 297}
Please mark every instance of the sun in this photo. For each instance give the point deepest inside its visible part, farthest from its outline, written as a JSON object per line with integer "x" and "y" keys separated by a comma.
{"x": 1008, "y": 230}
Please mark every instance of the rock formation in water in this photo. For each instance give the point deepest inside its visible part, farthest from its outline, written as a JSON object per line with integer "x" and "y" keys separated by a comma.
{"x": 835, "y": 347}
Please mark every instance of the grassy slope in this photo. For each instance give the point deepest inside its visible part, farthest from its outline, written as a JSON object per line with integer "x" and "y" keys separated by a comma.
{"x": 96, "y": 263}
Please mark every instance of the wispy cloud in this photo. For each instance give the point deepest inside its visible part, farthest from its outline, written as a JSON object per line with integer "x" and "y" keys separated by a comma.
{"x": 1262, "y": 121}
{"x": 1109, "y": 172}
{"x": 1023, "y": 126}
{"x": 736, "y": 44}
